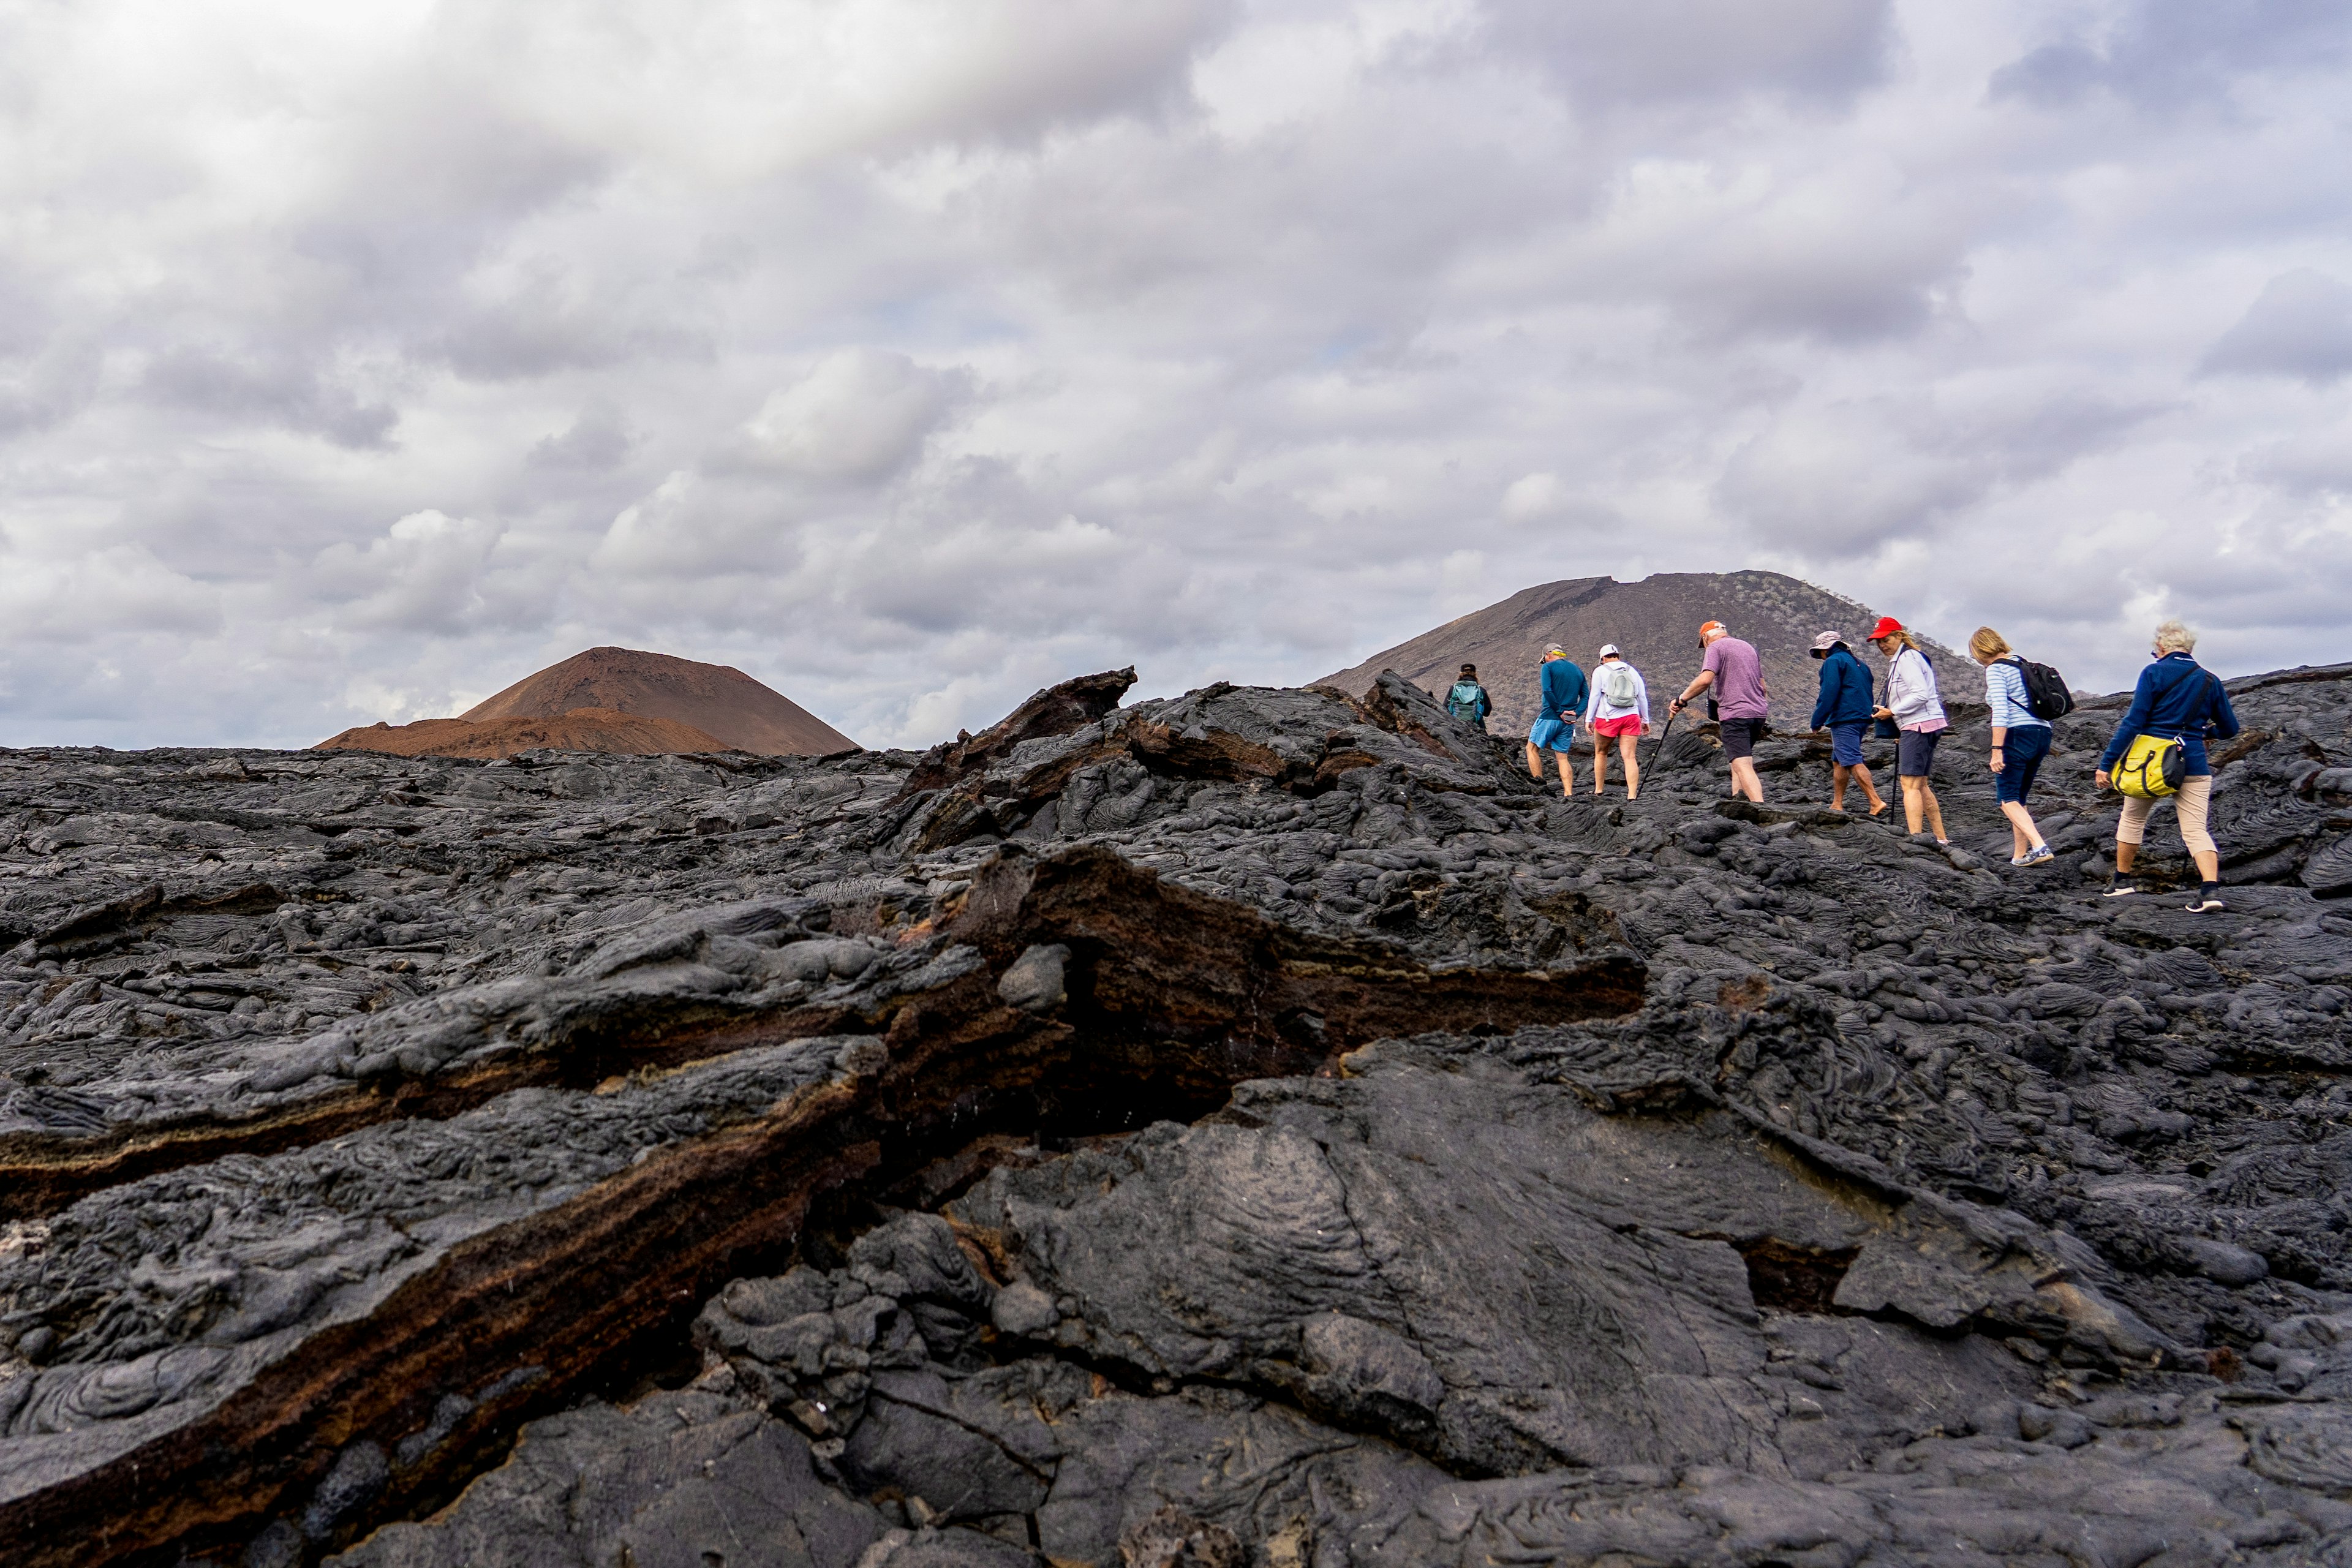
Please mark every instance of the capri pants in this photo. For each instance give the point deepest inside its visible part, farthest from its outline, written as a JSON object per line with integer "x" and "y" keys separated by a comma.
{"x": 2189, "y": 806}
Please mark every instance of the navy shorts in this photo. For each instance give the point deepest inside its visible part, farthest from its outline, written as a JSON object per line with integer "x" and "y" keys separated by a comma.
{"x": 2021, "y": 753}
{"x": 1845, "y": 744}
{"x": 1915, "y": 758}
{"x": 1740, "y": 737}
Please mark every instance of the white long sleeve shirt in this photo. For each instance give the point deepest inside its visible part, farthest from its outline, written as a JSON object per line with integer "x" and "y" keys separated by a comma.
{"x": 1597, "y": 706}
{"x": 1911, "y": 692}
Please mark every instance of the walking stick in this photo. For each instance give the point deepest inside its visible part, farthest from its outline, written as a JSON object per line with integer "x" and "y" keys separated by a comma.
{"x": 1672, "y": 714}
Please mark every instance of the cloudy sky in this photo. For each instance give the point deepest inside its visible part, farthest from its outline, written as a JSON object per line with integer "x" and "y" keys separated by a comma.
{"x": 356, "y": 360}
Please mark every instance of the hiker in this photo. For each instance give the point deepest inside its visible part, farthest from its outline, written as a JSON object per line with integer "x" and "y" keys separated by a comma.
{"x": 1843, "y": 709}
{"x": 2177, "y": 699}
{"x": 1467, "y": 701}
{"x": 1738, "y": 701}
{"x": 1555, "y": 727}
{"x": 2021, "y": 738}
{"x": 1915, "y": 708}
{"x": 1618, "y": 707}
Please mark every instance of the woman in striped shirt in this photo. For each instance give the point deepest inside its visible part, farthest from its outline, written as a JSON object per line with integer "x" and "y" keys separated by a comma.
{"x": 2020, "y": 741}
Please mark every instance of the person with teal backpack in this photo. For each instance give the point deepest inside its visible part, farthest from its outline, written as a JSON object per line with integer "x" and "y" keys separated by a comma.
{"x": 1467, "y": 699}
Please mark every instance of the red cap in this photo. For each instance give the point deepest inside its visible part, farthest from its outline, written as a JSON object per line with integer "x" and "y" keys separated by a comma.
{"x": 1887, "y": 627}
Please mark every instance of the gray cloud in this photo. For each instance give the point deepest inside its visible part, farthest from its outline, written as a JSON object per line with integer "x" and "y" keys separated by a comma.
{"x": 2168, "y": 56}
{"x": 597, "y": 441}
{"x": 911, "y": 353}
{"x": 1701, "y": 49}
{"x": 232, "y": 390}
{"x": 2299, "y": 325}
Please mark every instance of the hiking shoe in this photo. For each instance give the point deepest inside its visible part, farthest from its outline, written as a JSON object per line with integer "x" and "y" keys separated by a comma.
{"x": 2206, "y": 898}
{"x": 2036, "y": 856}
{"x": 2121, "y": 886}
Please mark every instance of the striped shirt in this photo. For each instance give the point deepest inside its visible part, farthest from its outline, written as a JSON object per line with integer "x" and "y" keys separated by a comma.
{"x": 2005, "y": 694}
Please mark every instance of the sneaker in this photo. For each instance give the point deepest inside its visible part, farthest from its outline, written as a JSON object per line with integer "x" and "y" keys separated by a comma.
{"x": 2207, "y": 898}
{"x": 2036, "y": 856}
{"x": 2121, "y": 886}
{"x": 2018, "y": 860}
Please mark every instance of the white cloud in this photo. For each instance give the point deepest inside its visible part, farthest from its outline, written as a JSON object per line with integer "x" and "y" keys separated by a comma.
{"x": 858, "y": 414}
{"x": 427, "y": 573}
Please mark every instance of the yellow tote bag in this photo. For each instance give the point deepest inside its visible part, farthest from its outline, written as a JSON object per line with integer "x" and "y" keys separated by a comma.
{"x": 2153, "y": 768}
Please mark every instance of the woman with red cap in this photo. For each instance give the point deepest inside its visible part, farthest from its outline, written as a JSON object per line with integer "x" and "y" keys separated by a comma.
{"x": 1917, "y": 709}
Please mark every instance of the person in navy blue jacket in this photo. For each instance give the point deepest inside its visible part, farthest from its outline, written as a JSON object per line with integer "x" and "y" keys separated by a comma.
{"x": 1564, "y": 691}
{"x": 2178, "y": 699}
{"x": 1843, "y": 709}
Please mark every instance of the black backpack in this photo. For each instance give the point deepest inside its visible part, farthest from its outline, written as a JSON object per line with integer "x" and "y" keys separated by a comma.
{"x": 2046, "y": 696}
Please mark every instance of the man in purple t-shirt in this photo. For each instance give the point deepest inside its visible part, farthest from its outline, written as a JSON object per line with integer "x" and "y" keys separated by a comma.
{"x": 1735, "y": 672}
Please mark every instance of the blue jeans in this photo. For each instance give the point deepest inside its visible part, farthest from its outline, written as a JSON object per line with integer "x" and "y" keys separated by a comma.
{"x": 2021, "y": 750}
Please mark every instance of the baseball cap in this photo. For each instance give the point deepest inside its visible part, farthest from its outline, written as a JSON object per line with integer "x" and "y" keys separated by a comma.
{"x": 1610, "y": 647}
{"x": 1887, "y": 627}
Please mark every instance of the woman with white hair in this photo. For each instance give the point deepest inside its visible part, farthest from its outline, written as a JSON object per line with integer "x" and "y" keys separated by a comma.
{"x": 2177, "y": 701}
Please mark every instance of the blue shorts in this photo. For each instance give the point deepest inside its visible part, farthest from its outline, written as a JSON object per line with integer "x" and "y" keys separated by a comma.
{"x": 1916, "y": 757}
{"x": 1551, "y": 734}
{"x": 2022, "y": 751}
{"x": 1845, "y": 744}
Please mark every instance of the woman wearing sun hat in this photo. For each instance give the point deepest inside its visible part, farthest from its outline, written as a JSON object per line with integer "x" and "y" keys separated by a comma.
{"x": 1917, "y": 707}
{"x": 1843, "y": 709}
{"x": 1618, "y": 709}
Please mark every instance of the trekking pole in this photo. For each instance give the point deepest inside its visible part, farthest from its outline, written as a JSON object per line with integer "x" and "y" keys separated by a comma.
{"x": 1672, "y": 714}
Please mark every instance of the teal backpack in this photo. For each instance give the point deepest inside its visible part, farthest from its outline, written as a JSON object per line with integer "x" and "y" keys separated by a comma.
{"x": 1465, "y": 700}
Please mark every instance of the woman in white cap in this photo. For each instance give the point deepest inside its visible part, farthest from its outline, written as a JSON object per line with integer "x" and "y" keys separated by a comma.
{"x": 1619, "y": 706}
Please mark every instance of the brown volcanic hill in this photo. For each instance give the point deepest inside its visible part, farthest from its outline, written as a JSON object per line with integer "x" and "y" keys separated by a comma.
{"x": 716, "y": 699}
{"x": 581, "y": 730}
{"x": 1656, "y": 622}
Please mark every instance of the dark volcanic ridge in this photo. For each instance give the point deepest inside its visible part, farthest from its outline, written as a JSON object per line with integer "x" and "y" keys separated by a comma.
{"x": 1656, "y": 622}
{"x": 1258, "y": 1127}
{"x": 618, "y": 700}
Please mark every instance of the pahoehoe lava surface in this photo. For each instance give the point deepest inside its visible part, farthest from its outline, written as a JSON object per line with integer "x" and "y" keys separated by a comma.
{"x": 1258, "y": 1127}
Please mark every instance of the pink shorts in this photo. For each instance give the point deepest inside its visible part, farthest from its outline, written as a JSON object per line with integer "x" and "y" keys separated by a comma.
{"x": 1630, "y": 724}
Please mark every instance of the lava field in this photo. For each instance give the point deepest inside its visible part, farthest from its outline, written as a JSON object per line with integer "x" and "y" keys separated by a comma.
{"x": 1257, "y": 1128}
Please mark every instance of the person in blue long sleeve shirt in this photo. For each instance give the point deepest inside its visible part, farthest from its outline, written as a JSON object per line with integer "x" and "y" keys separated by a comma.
{"x": 1843, "y": 709}
{"x": 1564, "y": 691}
{"x": 2176, "y": 699}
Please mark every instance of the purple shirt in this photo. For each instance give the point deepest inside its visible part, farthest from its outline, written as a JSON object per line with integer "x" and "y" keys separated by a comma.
{"x": 1738, "y": 678}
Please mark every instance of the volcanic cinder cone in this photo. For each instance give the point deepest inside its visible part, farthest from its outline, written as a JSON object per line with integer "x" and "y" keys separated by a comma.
{"x": 716, "y": 699}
